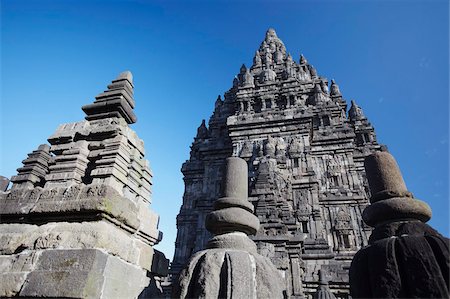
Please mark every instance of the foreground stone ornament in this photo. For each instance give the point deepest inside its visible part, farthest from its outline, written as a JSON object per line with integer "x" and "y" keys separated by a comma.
{"x": 406, "y": 258}
{"x": 230, "y": 267}
{"x": 76, "y": 222}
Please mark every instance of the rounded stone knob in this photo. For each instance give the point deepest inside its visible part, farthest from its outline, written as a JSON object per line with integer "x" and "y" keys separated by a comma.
{"x": 384, "y": 177}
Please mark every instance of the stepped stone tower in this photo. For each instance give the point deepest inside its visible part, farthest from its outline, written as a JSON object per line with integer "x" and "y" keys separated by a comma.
{"x": 76, "y": 222}
{"x": 305, "y": 165}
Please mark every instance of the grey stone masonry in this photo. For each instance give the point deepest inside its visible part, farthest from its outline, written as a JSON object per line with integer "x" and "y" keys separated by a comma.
{"x": 76, "y": 222}
{"x": 305, "y": 166}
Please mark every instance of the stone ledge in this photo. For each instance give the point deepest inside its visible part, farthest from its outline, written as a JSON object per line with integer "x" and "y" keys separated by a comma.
{"x": 75, "y": 202}
{"x": 100, "y": 235}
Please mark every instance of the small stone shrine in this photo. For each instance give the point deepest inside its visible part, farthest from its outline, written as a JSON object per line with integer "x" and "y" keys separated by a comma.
{"x": 76, "y": 222}
{"x": 406, "y": 258}
{"x": 305, "y": 159}
{"x": 230, "y": 267}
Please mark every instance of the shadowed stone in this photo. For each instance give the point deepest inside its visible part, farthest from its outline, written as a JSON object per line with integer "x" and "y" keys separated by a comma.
{"x": 405, "y": 258}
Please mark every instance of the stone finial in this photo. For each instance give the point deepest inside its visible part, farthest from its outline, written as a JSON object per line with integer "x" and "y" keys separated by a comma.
{"x": 323, "y": 290}
{"x": 289, "y": 59}
{"x": 355, "y": 113}
{"x": 247, "y": 274}
{"x": 271, "y": 45}
{"x": 126, "y": 75}
{"x": 117, "y": 101}
{"x": 312, "y": 71}
{"x": 334, "y": 89}
{"x": 243, "y": 69}
{"x": 248, "y": 79}
{"x": 219, "y": 102}
{"x": 235, "y": 81}
{"x": 270, "y": 33}
{"x": 35, "y": 168}
{"x": 303, "y": 60}
{"x": 202, "y": 130}
{"x": 324, "y": 86}
{"x": 233, "y": 212}
{"x": 257, "y": 59}
{"x": 390, "y": 199}
{"x": 405, "y": 258}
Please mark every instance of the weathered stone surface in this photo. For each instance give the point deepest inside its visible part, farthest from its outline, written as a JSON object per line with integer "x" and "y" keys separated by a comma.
{"x": 102, "y": 200}
{"x": 34, "y": 169}
{"x": 230, "y": 267}
{"x": 76, "y": 222}
{"x": 99, "y": 234}
{"x": 117, "y": 101}
{"x": 4, "y": 183}
{"x": 305, "y": 166}
{"x": 86, "y": 273}
{"x": 323, "y": 291}
{"x": 405, "y": 258}
{"x": 385, "y": 179}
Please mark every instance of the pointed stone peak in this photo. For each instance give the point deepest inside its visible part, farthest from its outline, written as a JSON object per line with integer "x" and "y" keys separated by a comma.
{"x": 303, "y": 60}
{"x": 355, "y": 113}
{"x": 272, "y": 49}
{"x": 334, "y": 89}
{"x": 270, "y": 33}
{"x": 202, "y": 130}
{"x": 243, "y": 69}
{"x": 289, "y": 58}
{"x": 116, "y": 101}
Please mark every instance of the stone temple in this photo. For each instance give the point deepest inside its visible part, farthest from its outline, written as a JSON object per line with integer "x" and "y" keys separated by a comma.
{"x": 76, "y": 222}
{"x": 305, "y": 156}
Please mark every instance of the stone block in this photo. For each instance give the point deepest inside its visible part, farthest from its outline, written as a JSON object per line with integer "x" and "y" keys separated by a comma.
{"x": 4, "y": 182}
{"x": 67, "y": 273}
{"x": 11, "y": 283}
{"x": 100, "y": 234}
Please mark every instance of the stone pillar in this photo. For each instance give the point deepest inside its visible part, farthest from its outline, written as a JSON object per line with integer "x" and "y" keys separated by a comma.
{"x": 230, "y": 267}
{"x": 405, "y": 258}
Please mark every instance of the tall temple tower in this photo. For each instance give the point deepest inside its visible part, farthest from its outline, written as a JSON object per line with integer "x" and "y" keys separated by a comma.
{"x": 306, "y": 175}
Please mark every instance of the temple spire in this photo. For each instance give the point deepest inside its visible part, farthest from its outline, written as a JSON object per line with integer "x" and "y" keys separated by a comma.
{"x": 202, "y": 131}
{"x": 334, "y": 89}
{"x": 117, "y": 101}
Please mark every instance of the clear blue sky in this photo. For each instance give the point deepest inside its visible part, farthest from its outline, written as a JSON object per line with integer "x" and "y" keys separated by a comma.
{"x": 392, "y": 57}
